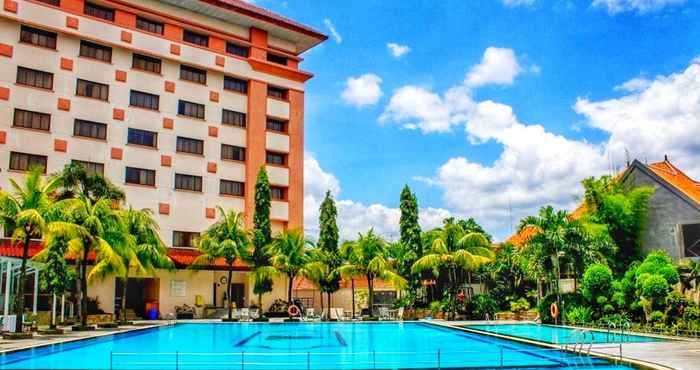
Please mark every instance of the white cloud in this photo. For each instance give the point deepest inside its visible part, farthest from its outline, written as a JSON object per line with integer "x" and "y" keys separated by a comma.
{"x": 635, "y": 84}
{"x": 498, "y": 66}
{"x": 419, "y": 108}
{"x": 354, "y": 217}
{"x": 637, "y": 6}
{"x": 661, "y": 118}
{"x": 514, "y": 3}
{"x": 331, "y": 28}
{"x": 397, "y": 50}
{"x": 363, "y": 90}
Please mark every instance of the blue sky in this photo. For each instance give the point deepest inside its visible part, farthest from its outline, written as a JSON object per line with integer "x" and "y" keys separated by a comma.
{"x": 495, "y": 107}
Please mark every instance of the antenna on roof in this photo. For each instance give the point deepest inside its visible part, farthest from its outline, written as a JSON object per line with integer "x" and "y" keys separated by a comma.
{"x": 627, "y": 157}
{"x": 665, "y": 157}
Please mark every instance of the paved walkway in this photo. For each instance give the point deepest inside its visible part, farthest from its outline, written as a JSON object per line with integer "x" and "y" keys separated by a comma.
{"x": 679, "y": 355}
{"x": 68, "y": 336}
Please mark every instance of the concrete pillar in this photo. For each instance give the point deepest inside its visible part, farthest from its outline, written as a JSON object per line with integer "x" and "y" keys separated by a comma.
{"x": 36, "y": 291}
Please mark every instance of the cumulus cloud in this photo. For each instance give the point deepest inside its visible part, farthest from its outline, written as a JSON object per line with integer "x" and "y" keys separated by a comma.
{"x": 416, "y": 107}
{"x": 498, "y": 66}
{"x": 331, "y": 28}
{"x": 354, "y": 217}
{"x": 363, "y": 90}
{"x": 635, "y": 84}
{"x": 397, "y": 50}
{"x": 661, "y": 118}
{"x": 514, "y": 3}
{"x": 636, "y": 6}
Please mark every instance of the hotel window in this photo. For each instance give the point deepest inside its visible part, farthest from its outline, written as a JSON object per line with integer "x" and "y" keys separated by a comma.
{"x": 228, "y": 187}
{"x": 149, "y": 25}
{"x": 95, "y": 51}
{"x": 99, "y": 11}
{"x": 277, "y": 59}
{"x": 690, "y": 236}
{"x": 90, "y": 129}
{"x": 235, "y": 84}
{"x": 276, "y": 92}
{"x": 37, "y": 37}
{"x": 187, "y": 145}
{"x": 144, "y": 100}
{"x": 146, "y": 63}
{"x": 232, "y": 152}
{"x": 276, "y": 158}
{"x": 142, "y": 137}
{"x": 233, "y": 118}
{"x": 52, "y": 2}
{"x": 140, "y": 176}
{"x": 185, "y": 239}
{"x": 193, "y": 74}
{"x": 25, "y": 162}
{"x": 34, "y": 78}
{"x": 235, "y": 49}
{"x": 34, "y": 120}
{"x": 278, "y": 192}
{"x": 195, "y": 38}
{"x": 91, "y": 167}
{"x": 92, "y": 89}
{"x": 276, "y": 125}
{"x": 188, "y": 182}
{"x": 190, "y": 109}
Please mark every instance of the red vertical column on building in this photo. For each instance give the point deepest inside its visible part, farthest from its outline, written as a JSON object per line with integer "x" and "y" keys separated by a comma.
{"x": 255, "y": 130}
{"x": 296, "y": 160}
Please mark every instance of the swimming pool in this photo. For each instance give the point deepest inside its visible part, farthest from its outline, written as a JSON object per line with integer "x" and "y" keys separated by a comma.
{"x": 560, "y": 335}
{"x": 317, "y": 346}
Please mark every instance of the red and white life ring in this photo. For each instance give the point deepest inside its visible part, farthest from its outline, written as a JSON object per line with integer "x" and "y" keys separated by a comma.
{"x": 554, "y": 310}
{"x": 293, "y": 310}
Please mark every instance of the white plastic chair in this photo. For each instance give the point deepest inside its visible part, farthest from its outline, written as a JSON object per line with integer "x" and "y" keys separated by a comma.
{"x": 245, "y": 314}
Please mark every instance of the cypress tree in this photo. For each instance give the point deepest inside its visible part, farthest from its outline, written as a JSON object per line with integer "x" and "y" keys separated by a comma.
{"x": 328, "y": 243}
{"x": 410, "y": 235}
{"x": 262, "y": 231}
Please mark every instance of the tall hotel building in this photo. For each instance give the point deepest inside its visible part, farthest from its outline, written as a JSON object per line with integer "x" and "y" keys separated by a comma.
{"x": 178, "y": 102}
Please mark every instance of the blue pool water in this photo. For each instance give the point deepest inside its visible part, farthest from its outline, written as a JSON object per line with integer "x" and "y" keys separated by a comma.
{"x": 560, "y": 335}
{"x": 213, "y": 346}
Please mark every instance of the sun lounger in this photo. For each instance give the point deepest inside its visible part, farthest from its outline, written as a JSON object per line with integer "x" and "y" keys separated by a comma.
{"x": 245, "y": 314}
{"x": 338, "y": 314}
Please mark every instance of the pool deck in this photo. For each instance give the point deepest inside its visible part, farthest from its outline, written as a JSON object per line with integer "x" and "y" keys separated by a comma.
{"x": 40, "y": 340}
{"x": 678, "y": 354}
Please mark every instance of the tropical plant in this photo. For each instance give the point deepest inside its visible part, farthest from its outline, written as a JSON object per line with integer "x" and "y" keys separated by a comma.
{"x": 483, "y": 306}
{"x": 226, "y": 239}
{"x": 519, "y": 305}
{"x": 101, "y": 235}
{"x": 454, "y": 249}
{"x": 597, "y": 285}
{"x": 144, "y": 250}
{"x": 328, "y": 237}
{"x": 289, "y": 256}
{"x": 75, "y": 180}
{"x": 689, "y": 271}
{"x": 261, "y": 237}
{"x": 23, "y": 213}
{"x": 411, "y": 244}
{"x": 57, "y": 277}
{"x": 579, "y": 315}
{"x": 368, "y": 257}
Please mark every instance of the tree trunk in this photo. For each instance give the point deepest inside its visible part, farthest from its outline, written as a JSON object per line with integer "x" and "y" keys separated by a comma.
{"x": 124, "y": 286}
{"x": 19, "y": 301}
{"x": 453, "y": 291}
{"x": 370, "y": 289}
{"x": 329, "y": 300}
{"x": 228, "y": 289}
{"x": 83, "y": 289}
{"x": 352, "y": 288}
{"x": 289, "y": 289}
{"x": 323, "y": 314}
{"x": 260, "y": 303}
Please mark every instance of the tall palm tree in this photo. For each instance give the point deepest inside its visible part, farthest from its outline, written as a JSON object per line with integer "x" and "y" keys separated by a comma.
{"x": 144, "y": 251}
{"x": 23, "y": 212}
{"x": 226, "y": 239}
{"x": 102, "y": 236}
{"x": 288, "y": 254}
{"x": 368, "y": 257}
{"x": 454, "y": 248}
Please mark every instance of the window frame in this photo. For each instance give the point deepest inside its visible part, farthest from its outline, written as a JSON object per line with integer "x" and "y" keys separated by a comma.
{"x": 136, "y": 134}
{"x": 193, "y": 36}
{"x": 141, "y": 173}
{"x": 232, "y": 83}
{"x": 182, "y": 143}
{"x": 188, "y": 236}
{"x": 91, "y": 86}
{"x": 86, "y": 165}
{"x": 232, "y": 149}
{"x": 27, "y": 72}
{"x": 282, "y": 189}
{"x": 239, "y": 50}
{"x": 193, "y": 74}
{"x": 182, "y": 109}
{"x": 29, "y": 158}
{"x": 146, "y": 60}
{"x": 33, "y": 115}
{"x": 39, "y": 33}
{"x": 284, "y": 156}
{"x": 94, "y": 49}
{"x": 283, "y": 93}
{"x": 232, "y": 183}
{"x": 234, "y": 117}
{"x": 149, "y": 24}
{"x": 277, "y": 59}
{"x": 197, "y": 182}
{"x": 271, "y": 122}
{"x": 108, "y": 13}
{"x": 136, "y": 95}
{"x": 92, "y": 125}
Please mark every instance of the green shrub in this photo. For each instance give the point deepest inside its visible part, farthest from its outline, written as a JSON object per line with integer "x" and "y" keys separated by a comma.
{"x": 618, "y": 319}
{"x": 567, "y": 300}
{"x": 578, "y": 315}
{"x": 675, "y": 305}
{"x": 597, "y": 281}
{"x": 520, "y": 305}
{"x": 691, "y": 313}
{"x": 656, "y": 317}
{"x": 482, "y": 305}
{"x": 654, "y": 287}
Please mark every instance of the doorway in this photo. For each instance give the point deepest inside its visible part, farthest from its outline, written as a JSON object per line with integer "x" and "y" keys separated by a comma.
{"x": 140, "y": 292}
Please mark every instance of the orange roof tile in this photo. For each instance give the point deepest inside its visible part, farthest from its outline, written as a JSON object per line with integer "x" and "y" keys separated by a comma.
{"x": 301, "y": 283}
{"x": 667, "y": 171}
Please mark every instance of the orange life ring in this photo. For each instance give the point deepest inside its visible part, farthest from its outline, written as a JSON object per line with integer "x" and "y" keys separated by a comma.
{"x": 554, "y": 310}
{"x": 293, "y": 310}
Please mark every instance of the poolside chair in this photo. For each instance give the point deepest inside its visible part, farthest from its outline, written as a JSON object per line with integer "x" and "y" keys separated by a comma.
{"x": 384, "y": 313}
{"x": 338, "y": 313}
{"x": 310, "y": 315}
{"x": 254, "y": 313}
{"x": 245, "y": 314}
{"x": 399, "y": 314}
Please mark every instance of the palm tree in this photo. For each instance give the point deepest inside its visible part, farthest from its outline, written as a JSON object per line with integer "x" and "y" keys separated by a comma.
{"x": 689, "y": 272}
{"x": 102, "y": 236}
{"x": 23, "y": 212}
{"x": 288, "y": 254}
{"x": 144, "y": 250}
{"x": 226, "y": 239}
{"x": 368, "y": 257}
{"x": 454, "y": 248}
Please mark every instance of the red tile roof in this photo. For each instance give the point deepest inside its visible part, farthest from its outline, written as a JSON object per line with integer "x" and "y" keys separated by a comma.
{"x": 265, "y": 15}
{"x": 301, "y": 283}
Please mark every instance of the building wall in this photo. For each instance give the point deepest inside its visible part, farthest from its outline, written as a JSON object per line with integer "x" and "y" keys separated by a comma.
{"x": 666, "y": 211}
{"x": 174, "y": 209}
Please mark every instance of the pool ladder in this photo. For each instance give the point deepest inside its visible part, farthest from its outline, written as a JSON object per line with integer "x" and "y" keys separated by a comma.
{"x": 580, "y": 337}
